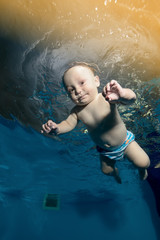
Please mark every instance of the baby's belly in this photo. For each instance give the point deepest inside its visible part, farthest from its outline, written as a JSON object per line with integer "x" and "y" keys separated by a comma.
{"x": 110, "y": 138}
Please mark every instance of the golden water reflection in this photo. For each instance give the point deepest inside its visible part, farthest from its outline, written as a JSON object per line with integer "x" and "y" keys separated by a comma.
{"x": 122, "y": 36}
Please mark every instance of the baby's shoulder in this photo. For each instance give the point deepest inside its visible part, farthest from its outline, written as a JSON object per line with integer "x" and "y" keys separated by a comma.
{"x": 101, "y": 100}
{"x": 76, "y": 109}
{"x": 103, "y": 103}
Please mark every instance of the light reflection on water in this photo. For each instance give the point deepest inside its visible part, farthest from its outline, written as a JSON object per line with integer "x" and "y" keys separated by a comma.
{"x": 39, "y": 39}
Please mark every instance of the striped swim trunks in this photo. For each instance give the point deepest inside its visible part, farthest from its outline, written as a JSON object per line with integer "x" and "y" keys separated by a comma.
{"x": 117, "y": 153}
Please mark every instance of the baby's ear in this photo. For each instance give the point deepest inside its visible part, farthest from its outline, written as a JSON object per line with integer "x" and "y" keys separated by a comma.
{"x": 97, "y": 81}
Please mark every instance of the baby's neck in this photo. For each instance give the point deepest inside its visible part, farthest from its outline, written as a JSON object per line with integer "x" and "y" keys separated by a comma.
{"x": 92, "y": 103}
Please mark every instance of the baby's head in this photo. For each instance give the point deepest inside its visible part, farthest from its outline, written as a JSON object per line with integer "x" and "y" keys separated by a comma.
{"x": 80, "y": 80}
{"x": 91, "y": 66}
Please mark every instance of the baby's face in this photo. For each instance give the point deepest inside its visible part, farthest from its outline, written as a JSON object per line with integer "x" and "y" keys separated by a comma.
{"x": 81, "y": 85}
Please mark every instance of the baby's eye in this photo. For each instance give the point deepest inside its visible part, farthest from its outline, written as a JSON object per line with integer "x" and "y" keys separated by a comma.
{"x": 70, "y": 90}
{"x": 82, "y": 82}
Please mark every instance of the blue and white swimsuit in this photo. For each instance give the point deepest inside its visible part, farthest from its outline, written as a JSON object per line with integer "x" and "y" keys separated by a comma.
{"x": 117, "y": 153}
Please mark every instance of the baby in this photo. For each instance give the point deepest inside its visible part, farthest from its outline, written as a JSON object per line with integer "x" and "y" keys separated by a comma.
{"x": 98, "y": 111}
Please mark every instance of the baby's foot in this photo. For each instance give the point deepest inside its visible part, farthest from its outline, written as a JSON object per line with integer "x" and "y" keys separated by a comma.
{"x": 143, "y": 174}
{"x": 157, "y": 165}
{"x": 116, "y": 176}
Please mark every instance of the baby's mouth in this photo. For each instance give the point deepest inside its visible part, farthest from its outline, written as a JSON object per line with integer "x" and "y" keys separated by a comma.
{"x": 82, "y": 97}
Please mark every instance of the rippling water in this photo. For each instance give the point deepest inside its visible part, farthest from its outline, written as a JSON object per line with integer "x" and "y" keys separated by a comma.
{"x": 37, "y": 40}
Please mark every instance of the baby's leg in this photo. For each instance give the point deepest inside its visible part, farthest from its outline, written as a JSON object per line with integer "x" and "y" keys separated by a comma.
{"x": 108, "y": 168}
{"x": 138, "y": 156}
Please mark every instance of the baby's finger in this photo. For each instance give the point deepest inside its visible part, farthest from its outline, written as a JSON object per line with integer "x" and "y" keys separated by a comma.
{"x": 46, "y": 128}
{"x": 108, "y": 87}
{"x": 104, "y": 92}
{"x": 49, "y": 123}
{"x": 116, "y": 84}
{"x": 113, "y": 82}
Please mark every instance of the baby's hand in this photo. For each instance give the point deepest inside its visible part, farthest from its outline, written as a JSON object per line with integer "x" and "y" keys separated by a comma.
{"x": 50, "y": 127}
{"x": 113, "y": 91}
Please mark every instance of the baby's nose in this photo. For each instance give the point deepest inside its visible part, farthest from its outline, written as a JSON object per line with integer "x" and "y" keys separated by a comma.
{"x": 78, "y": 90}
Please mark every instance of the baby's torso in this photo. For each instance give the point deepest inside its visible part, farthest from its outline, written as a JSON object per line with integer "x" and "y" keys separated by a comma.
{"x": 103, "y": 122}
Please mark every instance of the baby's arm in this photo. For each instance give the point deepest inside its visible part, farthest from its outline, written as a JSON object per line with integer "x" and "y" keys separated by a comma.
{"x": 114, "y": 93}
{"x": 67, "y": 125}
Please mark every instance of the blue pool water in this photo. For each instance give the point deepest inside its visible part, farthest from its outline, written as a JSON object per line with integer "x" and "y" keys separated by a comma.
{"x": 91, "y": 205}
{"x": 37, "y": 41}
